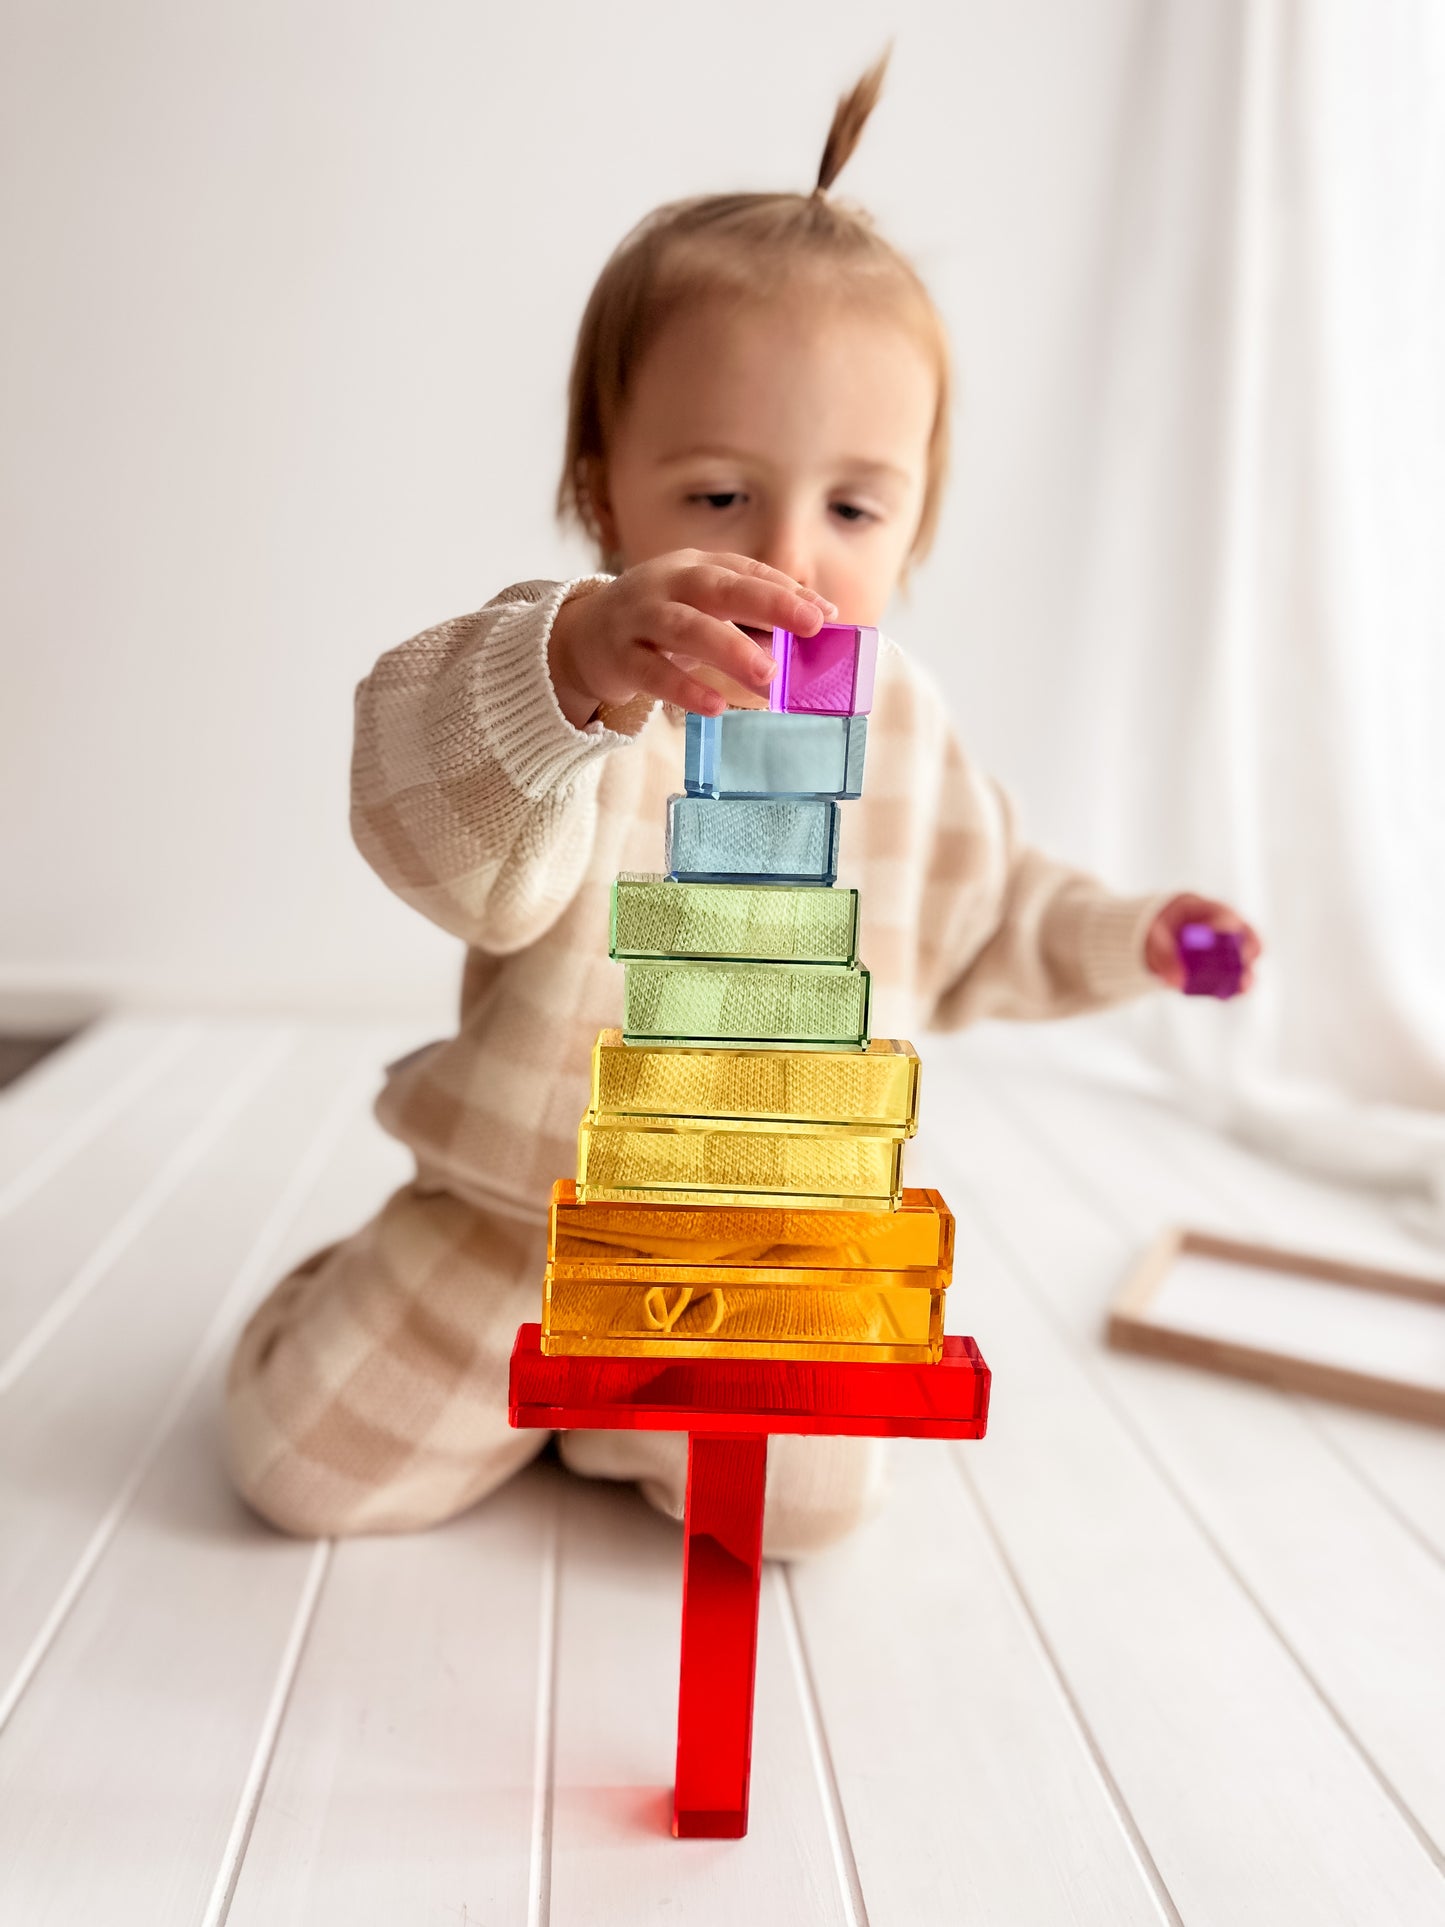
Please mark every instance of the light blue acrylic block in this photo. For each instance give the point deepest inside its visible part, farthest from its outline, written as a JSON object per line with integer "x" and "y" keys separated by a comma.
{"x": 752, "y": 752}
{"x": 752, "y": 839}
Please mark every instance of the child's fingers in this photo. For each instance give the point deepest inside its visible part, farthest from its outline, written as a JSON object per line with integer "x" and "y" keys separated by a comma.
{"x": 1161, "y": 953}
{"x": 658, "y": 675}
{"x": 687, "y": 631}
{"x": 728, "y": 687}
{"x": 746, "y": 565}
{"x": 762, "y": 603}
{"x": 1188, "y": 908}
{"x": 1219, "y": 916}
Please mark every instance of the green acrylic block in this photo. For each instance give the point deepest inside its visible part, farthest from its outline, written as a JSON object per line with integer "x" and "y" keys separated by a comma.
{"x": 756, "y": 922}
{"x": 747, "y": 1003}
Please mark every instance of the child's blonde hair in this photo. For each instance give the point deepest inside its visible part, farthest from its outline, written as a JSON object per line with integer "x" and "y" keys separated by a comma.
{"x": 741, "y": 246}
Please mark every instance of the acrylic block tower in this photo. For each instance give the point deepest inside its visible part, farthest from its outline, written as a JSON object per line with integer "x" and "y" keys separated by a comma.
{"x": 738, "y": 1255}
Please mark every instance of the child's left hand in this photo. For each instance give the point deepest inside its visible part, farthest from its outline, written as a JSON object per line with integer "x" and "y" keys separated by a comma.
{"x": 1161, "y": 946}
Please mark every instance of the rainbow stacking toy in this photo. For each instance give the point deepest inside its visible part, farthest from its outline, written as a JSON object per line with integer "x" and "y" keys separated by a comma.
{"x": 738, "y": 1255}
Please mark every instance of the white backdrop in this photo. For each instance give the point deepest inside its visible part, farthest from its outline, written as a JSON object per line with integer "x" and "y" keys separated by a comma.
{"x": 289, "y": 296}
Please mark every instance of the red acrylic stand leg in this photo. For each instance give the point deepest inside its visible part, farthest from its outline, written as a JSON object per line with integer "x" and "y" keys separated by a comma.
{"x": 728, "y": 1407}
{"x": 722, "y": 1569}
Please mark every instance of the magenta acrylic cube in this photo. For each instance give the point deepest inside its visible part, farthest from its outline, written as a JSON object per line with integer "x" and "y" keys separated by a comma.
{"x": 1212, "y": 959}
{"x": 829, "y": 674}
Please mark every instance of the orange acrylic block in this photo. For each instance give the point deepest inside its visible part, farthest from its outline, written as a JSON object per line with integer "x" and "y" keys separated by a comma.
{"x": 746, "y": 1311}
{"x": 876, "y": 1087}
{"x": 727, "y": 1161}
{"x": 599, "y": 1236}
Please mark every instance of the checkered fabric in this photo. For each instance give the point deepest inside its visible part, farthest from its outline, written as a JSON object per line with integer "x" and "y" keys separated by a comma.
{"x": 368, "y": 1392}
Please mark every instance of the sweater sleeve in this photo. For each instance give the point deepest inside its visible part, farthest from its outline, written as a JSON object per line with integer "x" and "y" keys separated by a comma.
{"x": 1010, "y": 932}
{"x": 472, "y": 796}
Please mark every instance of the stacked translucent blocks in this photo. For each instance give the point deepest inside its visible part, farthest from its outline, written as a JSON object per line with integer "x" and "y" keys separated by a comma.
{"x": 739, "y": 1186}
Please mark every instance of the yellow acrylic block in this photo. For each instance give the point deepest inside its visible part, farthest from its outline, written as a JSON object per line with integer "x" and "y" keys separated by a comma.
{"x": 742, "y": 1313}
{"x": 724, "y": 1161}
{"x": 877, "y": 1087}
{"x": 603, "y": 1235}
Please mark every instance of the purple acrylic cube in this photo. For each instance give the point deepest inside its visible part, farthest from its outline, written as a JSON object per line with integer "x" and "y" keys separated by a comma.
{"x": 829, "y": 674}
{"x": 1212, "y": 959}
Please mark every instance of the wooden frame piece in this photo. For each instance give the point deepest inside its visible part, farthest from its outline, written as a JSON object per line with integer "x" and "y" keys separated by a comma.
{"x": 1131, "y": 1328}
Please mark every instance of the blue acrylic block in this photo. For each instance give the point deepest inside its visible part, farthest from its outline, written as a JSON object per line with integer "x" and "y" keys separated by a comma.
{"x": 752, "y": 752}
{"x": 752, "y": 839}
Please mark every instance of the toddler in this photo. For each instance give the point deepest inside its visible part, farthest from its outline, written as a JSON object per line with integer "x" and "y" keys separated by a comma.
{"x": 757, "y": 435}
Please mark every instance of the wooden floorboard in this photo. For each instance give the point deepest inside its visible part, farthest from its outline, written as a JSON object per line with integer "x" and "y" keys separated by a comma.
{"x": 60, "y": 1242}
{"x": 948, "y": 1729}
{"x": 1357, "y": 1600}
{"x": 613, "y": 1859}
{"x": 125, "y": 1765}
{"x": 1248, "y": 1700}
{"x": 1232, "y": 1188}
{"x": 1164, "y": 1647}
{"x": 402, "y": 1784}
{"x": 77, "y": 1093}
{"x": 1203, "y": 1719}
{"x": 20, "y": 1054}
{"x": 76, "y": 1425}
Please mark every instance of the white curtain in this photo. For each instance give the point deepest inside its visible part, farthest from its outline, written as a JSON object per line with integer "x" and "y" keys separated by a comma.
{"x": 1311, "y": 746}
{"x": 1248, "y": 599}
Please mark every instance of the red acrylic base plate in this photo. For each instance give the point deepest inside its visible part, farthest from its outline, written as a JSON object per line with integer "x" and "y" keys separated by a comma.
{"x": 946, "y": 1400}
{"x": 729, "y": 1406}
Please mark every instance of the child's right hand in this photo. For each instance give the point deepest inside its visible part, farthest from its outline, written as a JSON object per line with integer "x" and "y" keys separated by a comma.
{"x": 661, "y": 627}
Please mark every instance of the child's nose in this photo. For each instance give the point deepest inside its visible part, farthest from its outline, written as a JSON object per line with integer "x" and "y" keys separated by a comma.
{"x": 787, "y": 550}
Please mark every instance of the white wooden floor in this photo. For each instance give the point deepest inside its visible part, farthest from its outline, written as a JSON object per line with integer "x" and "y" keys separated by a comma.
{"x": 1162, "y": 1648}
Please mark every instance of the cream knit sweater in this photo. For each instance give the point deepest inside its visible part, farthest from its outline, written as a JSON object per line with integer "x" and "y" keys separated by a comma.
{"x": 370, "y": 1389}
{"x": 477, "y": 802}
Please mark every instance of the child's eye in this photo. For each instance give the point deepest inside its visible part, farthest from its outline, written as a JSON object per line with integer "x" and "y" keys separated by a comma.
{"x": 718, "y": 498}
{"x": 850, "y": 512}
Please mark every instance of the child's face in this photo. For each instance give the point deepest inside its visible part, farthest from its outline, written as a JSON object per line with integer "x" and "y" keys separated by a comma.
{"x": 796, "y": 433}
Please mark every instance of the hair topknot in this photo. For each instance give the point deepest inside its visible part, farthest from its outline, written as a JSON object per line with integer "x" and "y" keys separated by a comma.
{"x": 740, "y": 247}
{"x": 850, "y": 117}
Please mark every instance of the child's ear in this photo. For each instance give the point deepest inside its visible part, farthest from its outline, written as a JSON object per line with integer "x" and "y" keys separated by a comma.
{"x": 599, "y": 501}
